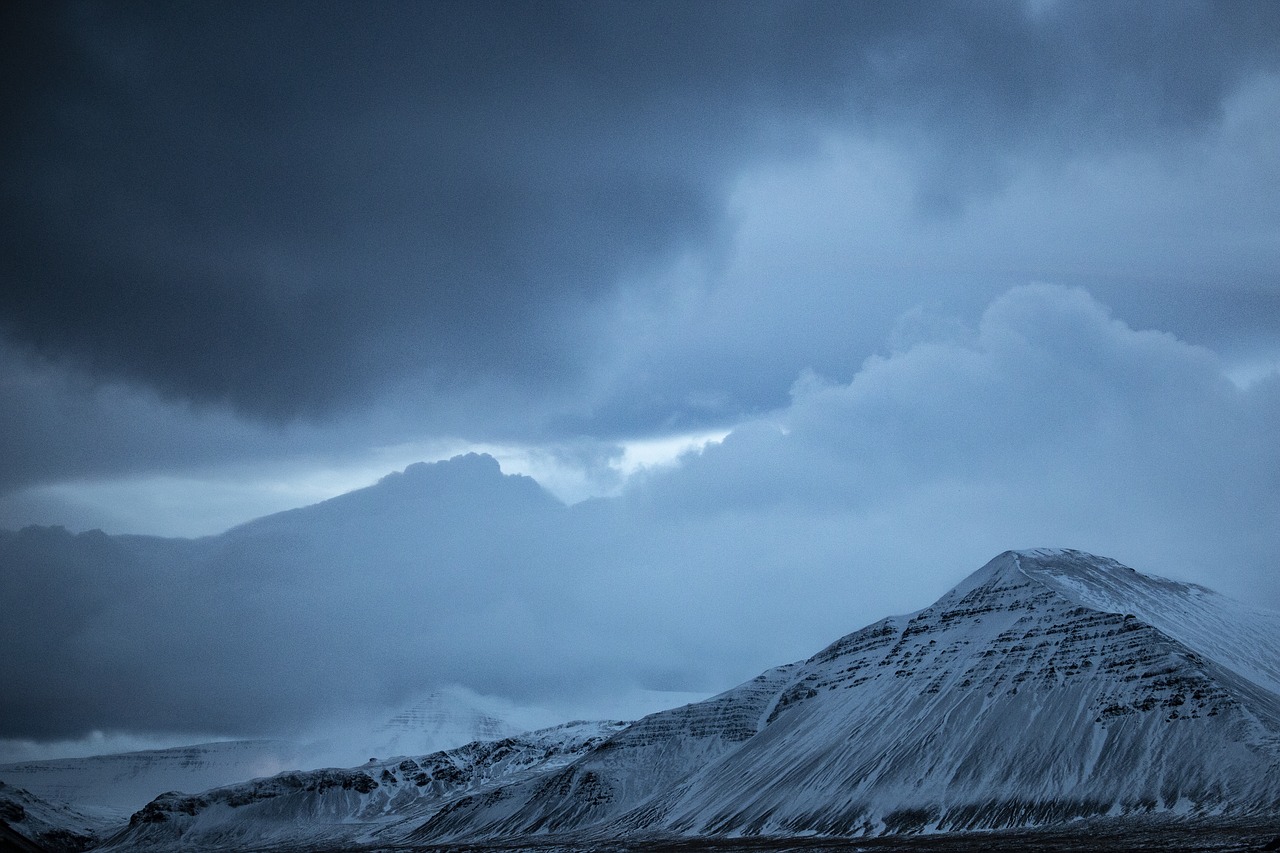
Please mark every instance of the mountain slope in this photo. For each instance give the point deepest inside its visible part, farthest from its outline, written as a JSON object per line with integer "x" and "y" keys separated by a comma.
{"x": 1006, "y": 703}
{"x": 31, "y": 824}
{"x": 644, "y": 760}
{"x": 1047, "y": 686}
{"x": 1009, "y": 702}
{"x": 359, "y": 805}
{"x": 124, "y": 782}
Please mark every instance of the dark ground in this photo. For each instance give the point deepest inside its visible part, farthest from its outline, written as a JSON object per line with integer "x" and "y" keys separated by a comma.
{"x": 1207, "y": 837}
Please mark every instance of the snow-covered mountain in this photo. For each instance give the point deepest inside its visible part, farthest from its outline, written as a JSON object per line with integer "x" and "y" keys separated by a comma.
{"x": 447, "y": 718}
{"x": 31, "y": 824}
{"x": 373, "y": 803}
{"x": 1047, "y": 686}
{"x": 122, "y": 783}
{"x": 116, "y": 785}
{"x": 1013, "y": 700}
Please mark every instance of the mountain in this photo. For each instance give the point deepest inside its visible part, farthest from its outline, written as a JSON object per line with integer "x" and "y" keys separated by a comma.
{"x": 31, "y": 824}
{"x": 424, "y": 502}
{"x": 1024, "y": 696}
{"x": 116, "y": 785}
{"x": 354, "y": 806}
{"x": 121, "y": 783}
{"x": 1046, "y": 687}
{"x": 447, "y": 718}
{"x": 394, "y": 585}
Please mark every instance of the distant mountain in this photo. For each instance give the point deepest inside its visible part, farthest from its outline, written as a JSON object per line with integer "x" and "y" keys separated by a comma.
{"x": 122, "y": 783}
{"x": 448, "y": 718}
{"x": 131, "y": 633}
{"x": 425, "y": 497}
{"x": 1048, "y": 686}
{"x": 31, "y": 824}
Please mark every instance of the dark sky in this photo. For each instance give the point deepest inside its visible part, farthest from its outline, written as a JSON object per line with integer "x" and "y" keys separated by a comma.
{"x": 918, "y": 259}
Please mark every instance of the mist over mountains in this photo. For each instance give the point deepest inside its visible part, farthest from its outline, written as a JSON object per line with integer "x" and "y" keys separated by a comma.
{"x": 113, "y": 786}
{"x": 849, "y": 503}
{"x": 1049, "y": 689}
{"x": 354, "y": 605}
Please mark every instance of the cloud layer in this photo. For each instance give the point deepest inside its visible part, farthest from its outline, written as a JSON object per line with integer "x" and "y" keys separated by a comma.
{"x": 296, "y": 211}
{"x": 1051, "y": 423}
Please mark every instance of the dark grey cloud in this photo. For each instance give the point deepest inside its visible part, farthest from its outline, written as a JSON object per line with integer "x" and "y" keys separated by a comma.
{"x": 288, "y": 209}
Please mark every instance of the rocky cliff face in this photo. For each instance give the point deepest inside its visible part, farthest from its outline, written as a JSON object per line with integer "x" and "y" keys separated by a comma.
{"x": 1047, "y": 686}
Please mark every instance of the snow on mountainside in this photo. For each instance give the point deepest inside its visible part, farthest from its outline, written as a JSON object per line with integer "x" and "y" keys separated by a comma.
{"x": 1047, "y": 686}
{"x": 124, "y": 782}
{"x": 352, "y": 806}
{"x": 1242, "y": 638}
{"x": 116, "y": 785}
{"x": 1006, "y": 703}
{"x": 31, "y": 823}
{"x": 643, "y": 761}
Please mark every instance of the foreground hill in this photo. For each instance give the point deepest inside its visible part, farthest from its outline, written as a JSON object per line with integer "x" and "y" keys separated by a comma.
{"x": 114, "y": 786}
{"x": 32, "y": 824}
{"x": 1049, "y": 686}
{"x": 119, "y": 784}
{"x": 346, "y": 807}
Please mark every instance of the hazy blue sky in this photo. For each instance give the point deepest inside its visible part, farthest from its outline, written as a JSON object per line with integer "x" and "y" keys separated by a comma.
{"x": 946, "y": 278}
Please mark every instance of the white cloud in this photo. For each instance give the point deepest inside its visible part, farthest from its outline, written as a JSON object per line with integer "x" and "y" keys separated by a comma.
{"x": 1056, "y": 425}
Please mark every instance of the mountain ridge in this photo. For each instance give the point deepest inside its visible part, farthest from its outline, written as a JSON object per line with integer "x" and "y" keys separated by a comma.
{"x": 118, "y": 784}
{"x": 892, "y": 783}
{"x": 349, "y": 806}
{"x": 1007, "y": 703}
{"x": 466, "y": 481}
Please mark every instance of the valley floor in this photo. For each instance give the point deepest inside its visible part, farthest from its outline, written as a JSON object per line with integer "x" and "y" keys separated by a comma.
{"x": 1252, "y": 837}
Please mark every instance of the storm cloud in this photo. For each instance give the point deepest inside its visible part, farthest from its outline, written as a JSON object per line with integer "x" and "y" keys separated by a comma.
{"x": 289, "y": 210}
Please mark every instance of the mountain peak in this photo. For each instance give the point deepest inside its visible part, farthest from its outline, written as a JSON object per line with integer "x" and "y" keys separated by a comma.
{"x": 1091, "y": 580}
{"x": 1244, "y": 639}
{"x": 449, "y": 488}
{"x": 1068, "y": 561}
{"x": 473, "y": 464}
